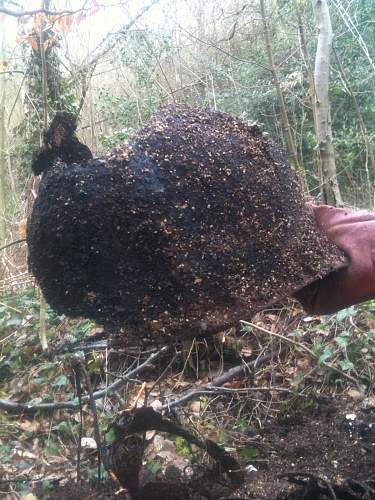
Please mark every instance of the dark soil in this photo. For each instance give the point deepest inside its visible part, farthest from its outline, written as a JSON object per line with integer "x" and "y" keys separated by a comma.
{"x": 197, "y": 222}
{"x": 322, "y": 443}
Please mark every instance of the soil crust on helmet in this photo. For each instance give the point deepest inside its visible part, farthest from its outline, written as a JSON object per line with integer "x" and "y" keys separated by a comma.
{"x": 195, "y": 223}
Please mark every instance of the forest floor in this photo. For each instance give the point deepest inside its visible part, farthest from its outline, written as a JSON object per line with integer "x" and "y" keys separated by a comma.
{"x": 300, "y": 423}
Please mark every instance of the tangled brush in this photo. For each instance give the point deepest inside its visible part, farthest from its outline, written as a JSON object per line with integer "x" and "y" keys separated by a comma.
{"x": 196, "y": 222}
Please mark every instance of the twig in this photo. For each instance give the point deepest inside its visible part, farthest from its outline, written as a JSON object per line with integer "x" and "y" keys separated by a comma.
{"x": 42, "y": 39}
{"x": 210, "y": 44}
{"x": 122, "y": 30}
{"x": 222, "y": 390}
{"x": 147, "y": 419}
{"x": 304, "y": 348}
{"x": 14, "y": 407}
{"x": 105, "y": 46}
{"x": 251, "y": 389}
{"x": 12, "y": 243}
{"x": 216, "y": 382}
{"x": 160, "y": 378}
{"x": 33, "y": 481}
{"x": 11, "y": 71}
{"x": 11, "y": 308}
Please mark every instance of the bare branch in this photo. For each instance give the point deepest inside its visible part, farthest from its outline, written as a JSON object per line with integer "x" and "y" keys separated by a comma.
{"x": 74, "y": 405}
{"x": 11, "y": 71}
{"x": 123, "y": 30}
{"x": 13, "y": 243}
{"x": 47, "y": 12}
{"x": 209, "y": 44}
{"x": 106, "y": 45}
{"x": 214, "y": 386}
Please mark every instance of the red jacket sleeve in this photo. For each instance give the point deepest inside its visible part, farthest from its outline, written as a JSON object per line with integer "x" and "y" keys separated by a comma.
{"x": 353, "y": 232}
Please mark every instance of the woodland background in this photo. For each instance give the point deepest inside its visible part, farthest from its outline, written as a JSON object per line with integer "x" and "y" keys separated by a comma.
{"x": 203, "y": 53}
{"x": 113, "y": 62}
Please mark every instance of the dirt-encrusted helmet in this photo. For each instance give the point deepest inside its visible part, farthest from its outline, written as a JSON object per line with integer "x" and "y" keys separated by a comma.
{"x": 196, "y": 222}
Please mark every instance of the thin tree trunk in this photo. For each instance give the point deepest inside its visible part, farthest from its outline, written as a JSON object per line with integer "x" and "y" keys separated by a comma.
{"x": 312, "y": 93}
{"x": 331, "y": 188}
{"x": 42, "y": 311}
{"x": 2, "y": 145}
{"x": 291, "y": 149}
{"x": 12, "y": 180}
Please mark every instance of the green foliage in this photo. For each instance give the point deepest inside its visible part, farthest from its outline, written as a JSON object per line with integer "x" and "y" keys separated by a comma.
{"x": 182, "y": 448}
{"x": 5, "y": 451}
{"x": 60, "y": 381}
{"x": 92, "y": 473}
{"x": 337, "y": 339}
{"x": 223, "y": 437}
{"x": 345, "y": 313}
{"x": 326, "y": 355}
{"x": 140, "y": 55}
{"x": 237, "y": 80}
{"x": 19, "y": 321}
{"x": 62, "y": 428}
{"x": 244, "y": 426}
{"x": 153, "y": 466}
{"x": 80, "y": 329}
{"x": 51, "y": 446}
{"x": 298, "y": 379}
{"x": 110, "y": 436}
{"x": 249, "y": 454}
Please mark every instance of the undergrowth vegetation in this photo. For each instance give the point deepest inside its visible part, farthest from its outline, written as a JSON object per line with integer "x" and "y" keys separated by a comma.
{"x": 303, "y": 349}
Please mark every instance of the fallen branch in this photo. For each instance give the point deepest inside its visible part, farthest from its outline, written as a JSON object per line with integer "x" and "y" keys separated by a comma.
{"x": 221, "y": 390}
{"x": 214, "y": 386}
{"x": 304, "y": 348}
{"x": 14, "y": 407}
{"x": 147, "y": 419}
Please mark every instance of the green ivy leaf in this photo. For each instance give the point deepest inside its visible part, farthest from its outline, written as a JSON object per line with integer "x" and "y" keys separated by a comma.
{"x": 249, "y": 454}
{"x": 223, "y": 438}
{"x": 345, "y": 313}
{"x": 346, "y": 365}
{"x": 51, "y": 448}
{"x": 63, "y": 427}
{"x": 327, "y": 353}
{"x": 342, "y": 341}
{"x": 60, "y": 381}
{"x": 14, "y": 321}
{"x": 110, "y": 436}
{"x": 153, "y": 467}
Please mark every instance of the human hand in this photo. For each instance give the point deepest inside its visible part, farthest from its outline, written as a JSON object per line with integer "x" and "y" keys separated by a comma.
{"x": 354, "y": 233}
